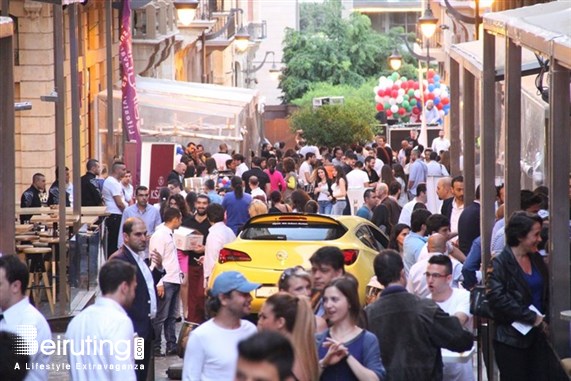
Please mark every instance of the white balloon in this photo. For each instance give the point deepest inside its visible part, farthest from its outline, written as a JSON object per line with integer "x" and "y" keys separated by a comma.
{"x": 437, "y": 92}
{"x": 401, "y": 92}
{"x": 389, "y": 83}
{"x": 394, "y": 109}
{"x": 392, "y": 101}
{"x": 444, "y": 94}
{"x": 398, "y": 82}
{"x": 417, "y": 93}
{"x": 441, "y": 112}
{"x": 382, "y": 79}
{"x": 400, "y": 98}
{"x": 378, "y": 99}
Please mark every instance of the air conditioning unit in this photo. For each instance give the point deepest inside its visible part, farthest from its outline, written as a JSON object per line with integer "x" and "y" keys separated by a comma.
{"x": 322, "y": 101}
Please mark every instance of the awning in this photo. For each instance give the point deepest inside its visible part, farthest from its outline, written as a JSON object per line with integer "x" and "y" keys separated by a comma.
{"x": 544, "y": 28}
{"x": 470, "y": 55}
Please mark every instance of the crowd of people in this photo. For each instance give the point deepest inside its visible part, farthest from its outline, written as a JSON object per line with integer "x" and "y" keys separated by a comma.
{"x": 422, "y": 280}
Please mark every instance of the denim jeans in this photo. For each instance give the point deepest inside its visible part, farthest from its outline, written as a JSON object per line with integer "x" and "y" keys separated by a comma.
{"x": 167, "y": 311}
{"x": 324, "y": 207}
{"x": 338, "y": 208}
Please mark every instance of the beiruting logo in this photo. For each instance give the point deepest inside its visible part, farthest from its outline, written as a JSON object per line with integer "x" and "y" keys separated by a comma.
{"x": 27, "y": 344}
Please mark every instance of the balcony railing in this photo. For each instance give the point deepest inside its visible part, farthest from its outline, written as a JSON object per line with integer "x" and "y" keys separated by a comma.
{"x": 155, "y": 20}
{"x": 258, "y": 30}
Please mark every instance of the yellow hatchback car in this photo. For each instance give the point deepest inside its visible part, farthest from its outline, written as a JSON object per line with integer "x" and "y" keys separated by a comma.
{"x": 270, "y": 243}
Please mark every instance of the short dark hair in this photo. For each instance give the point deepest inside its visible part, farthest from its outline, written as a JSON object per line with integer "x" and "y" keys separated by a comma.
{"x": 528, "y": 199}
{"x": 15, "y": 270}
{"x": 128, "y": 224}
{"x": 443, "y": 260}
{"x": 394, "y": 188}
{"x": 309, "y": 155}
{"x": 91, "y": 163}
{"x": 175, "y": 183}
{"x": 329, "y": 255}
{"x": 519, "y": 225}
{"x": 388, "y": 266}
{"x": 269, "y": 346}
{"x": 115, "y": 165}
{"x": 215, "y": 213}
{"x": 257, "y": 161}
{"x": 367, "y": 194}
{"x": 37, "y": 176}
{"x": 204, "y": 196}
{"x": 436, "y": 221}
{"x": 368, "y": 159}
{"x": 209, "y": 184}
{"x": 170, "y": 214}
{"x": 433, "y": 155}
{"x": 420, "y": 188}
{"x": 349, "y": 288}
{"x": 418, "y": 218}
{"x": 140, "y": 188}
{"x": 113, "y": 273}
{"x": 457, "y": 179}
{"x": 238, "y": 156}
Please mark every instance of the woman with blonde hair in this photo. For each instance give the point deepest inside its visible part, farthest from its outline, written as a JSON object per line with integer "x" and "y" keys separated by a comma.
{"x": 292, "y": 316}
{"x": 257, "y": 207}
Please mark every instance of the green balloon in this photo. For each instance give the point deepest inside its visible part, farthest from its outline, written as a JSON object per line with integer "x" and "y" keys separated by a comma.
{"x": 412, "y": 102}
{"x": 411, "y": 93}
{"x": 408, "y": 108}
{"x": 395, "y": 76}
{"x": 404, "y": 79}
{"x": 405, "y": 104}
{"x": 406, "y": 97}
{"x": 387, "y": 106}
{"x": 406, "y": 119}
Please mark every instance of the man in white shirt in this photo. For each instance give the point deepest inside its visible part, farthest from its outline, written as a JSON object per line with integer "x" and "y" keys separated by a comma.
{"x": 306, "y": 168}
{"x": 433, "y": 167}
{"x": 407, "y": 209}
{"x": 127, "y": 188}
{"x": 457, "y": 203}
{"x": 212, "y": 348}
{"x": 221, "y": 157}
{"x": 106, "y": 321}
{"x": 218, "y": 235}
{"x": 357, "y": 178}
{"x": 20, "y": 317}
{"x": 112, "y": 194}
{"x": 455, "y": 302}
{"x": 255, "y": 190}
{"x": 168, "y": 287}
{"x": 440, "y": 143}
{"x": 431, "y": 114}
{"x": 241, "y": 167}
{"x": 416, "y": 281}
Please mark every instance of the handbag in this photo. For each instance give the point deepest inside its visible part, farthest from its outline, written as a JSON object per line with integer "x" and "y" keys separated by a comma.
{"x": 185, "y": 330}
{"x": 479, "y": 304}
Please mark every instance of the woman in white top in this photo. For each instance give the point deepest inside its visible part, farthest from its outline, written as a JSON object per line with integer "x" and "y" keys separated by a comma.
{"x": 339, "y": 191}
{"x": 323, "y": 191}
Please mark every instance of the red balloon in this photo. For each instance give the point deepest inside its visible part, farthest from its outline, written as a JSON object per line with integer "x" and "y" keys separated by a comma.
{"x": 396, "y": 87}
{"x": 380, "y": 107}
{"x": 389, "y": 113}
{"x": 394, "y": 93}
{"x": 402, "y": 111}
{"x": 430, "y": 96}
{"x": 411, "y": 83}
{"x": 380, "y": 93}
{"x": 445, "y": 101}
{"x": 431, "y": 73}
{"x": 439, "y": 106}
{"x": 415, "y": 86}
{"x": 415, "y": 111}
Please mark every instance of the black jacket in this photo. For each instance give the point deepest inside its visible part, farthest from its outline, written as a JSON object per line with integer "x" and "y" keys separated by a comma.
{"x": 90, "y": 193}
{"x": 468, "y": 226}
{"x": 446, "y": 208}
{"x": 411, "y": 331}
{"x": 509, "y": 296}
{"x": 140, "y": 310}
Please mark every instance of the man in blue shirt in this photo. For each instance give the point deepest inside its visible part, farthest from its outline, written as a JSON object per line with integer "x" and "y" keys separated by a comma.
{"x": 210, "y": 189}
{"x": 417, "y": 172}
{"x": 141, "y": 208}
{"x": 416, "y": 239}
{"x": 371, "y": 200}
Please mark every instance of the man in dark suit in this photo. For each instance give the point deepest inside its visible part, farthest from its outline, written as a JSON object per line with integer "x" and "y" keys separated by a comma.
{"x": 453, "y": 207}
{"x": 178, "y": 174}
{"x": 469, "y": 224}
{"x": 144, "y": 307}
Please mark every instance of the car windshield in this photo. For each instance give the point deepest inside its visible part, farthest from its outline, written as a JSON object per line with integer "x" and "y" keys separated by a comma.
{"x": 294, "y": 231}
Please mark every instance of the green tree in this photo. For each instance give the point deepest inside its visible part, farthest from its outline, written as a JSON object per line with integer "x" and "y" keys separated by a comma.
{"x": 334, "y": 125}
{"x": 335, "y": 50}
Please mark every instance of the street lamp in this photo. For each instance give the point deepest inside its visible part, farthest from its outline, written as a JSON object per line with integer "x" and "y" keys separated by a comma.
{"x": 185, "y": 10}
{"x": 476, "y": 19}
{"x": 274, "y": 70}
{"x": 428, "y": 26}
{"x": 242, "y": 37}
{"x": 395, "y": 60}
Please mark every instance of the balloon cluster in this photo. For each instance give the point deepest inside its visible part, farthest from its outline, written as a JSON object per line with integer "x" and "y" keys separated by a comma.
{"x": 224, "y": 182}
{"x": 400, "y": 98}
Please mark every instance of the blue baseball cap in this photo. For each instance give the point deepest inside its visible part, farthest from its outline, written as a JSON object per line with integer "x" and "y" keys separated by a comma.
{"x": 230, "y": 281}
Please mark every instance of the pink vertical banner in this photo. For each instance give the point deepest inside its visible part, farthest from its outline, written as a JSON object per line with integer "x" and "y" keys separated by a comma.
{"x": 129, "y": 102}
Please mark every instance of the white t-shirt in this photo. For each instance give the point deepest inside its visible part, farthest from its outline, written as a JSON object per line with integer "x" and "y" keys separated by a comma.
{"x": 440, "y": 144}
{"x": 459, "y": 301}
{"x": 240, "y": 169}
{"x": 221, "y": 159}
{"x": 258, "y": 192}
{"x": 455, "y": 216}
{"x": 357, "y": 178}
{"x": 112, "y": 187}
{"x": 304, "y": 168}
{"x": 212, "y": 351}
{"x": 378, "y": 166}
{"x": 416, "y": 280}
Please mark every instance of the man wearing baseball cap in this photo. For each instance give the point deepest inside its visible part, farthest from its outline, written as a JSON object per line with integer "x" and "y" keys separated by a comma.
{"x": 212, "y": 348}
